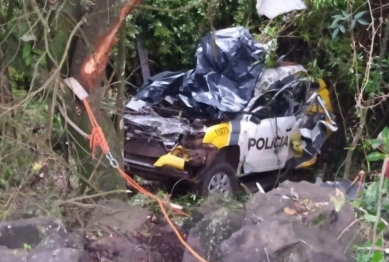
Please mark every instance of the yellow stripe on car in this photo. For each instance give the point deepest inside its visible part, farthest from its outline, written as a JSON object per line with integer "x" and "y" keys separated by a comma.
{"x": 308, "y": 163}
{"x": 325, "y": 95}
{"x": 218, "y": 135}
{"x": 171, "y": 161}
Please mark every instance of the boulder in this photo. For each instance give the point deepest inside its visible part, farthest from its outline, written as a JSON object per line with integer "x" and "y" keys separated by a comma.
{"x": 314, "y": 209}
{"x": 120, "y": 249}
{"x": 279, "y": 241}
{"x": 211, "y": 204}
{"x": 13, "y": 255}
{"x": 59, "y": 240}
{"x": 18, "y": 233}
{"x": 40, "y": 239}
{"x": 215, "y": 227}
{"x": 112, "y": 245}
{"x": 295, "y": 222}
{"x": 118, "y": 215}
{"x": 60, "y": 255}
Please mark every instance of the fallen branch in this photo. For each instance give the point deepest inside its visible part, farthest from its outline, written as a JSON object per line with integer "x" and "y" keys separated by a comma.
{"x": 348, "y": 227}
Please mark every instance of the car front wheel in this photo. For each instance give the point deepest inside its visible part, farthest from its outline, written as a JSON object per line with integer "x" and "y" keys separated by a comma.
{"x": 218, "y": 178}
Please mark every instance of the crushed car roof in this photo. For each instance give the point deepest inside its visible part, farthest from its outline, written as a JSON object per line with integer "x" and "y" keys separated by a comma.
{"x": 228, "y": 65}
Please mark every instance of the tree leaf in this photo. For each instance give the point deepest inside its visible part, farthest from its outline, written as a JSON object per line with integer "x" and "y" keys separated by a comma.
{"x": 26, "y": 51}
{"x": 338, "y": 200}
{"x": 377, "y": 257}
{"x": 359, "y": 15}
{"x": 375, "y": 143}
{"x": 370, "y": 218}
{"x": 342, "y": 29}
{"x": 371, "y": 193}
{"x": 363, "y": 22}
{"x": 385, "y": 207}
{"x": 334, "y": 24}
{"x": 385, "y": 133}
{"x": 375, "y": 156}
{"x": 28, "y": 60}
{"x": 337, "y": 17}
{"x": 335, "y": 33}
{"x": 37, "y": 51}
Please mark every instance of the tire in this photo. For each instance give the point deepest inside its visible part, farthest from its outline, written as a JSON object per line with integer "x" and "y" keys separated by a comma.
{"x": 220, "y": 174}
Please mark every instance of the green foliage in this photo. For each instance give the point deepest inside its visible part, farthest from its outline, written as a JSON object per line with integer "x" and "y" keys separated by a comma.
{"x": 172, "y": 35}
{"x": 172, "y": 29}
{"x": 26, "y": 246}
{"x": 346, "y": 22}
{"x": 368, "y": 201}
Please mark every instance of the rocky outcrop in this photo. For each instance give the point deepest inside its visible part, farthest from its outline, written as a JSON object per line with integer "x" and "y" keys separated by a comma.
{"x": 207, "y": 235}
{"x": 40, "y": 239}
{"x": 111, "y": 234}
{"x": 19, "y": 233}
{"x": 220, "y": 218}
{"x": 297, "y": 222}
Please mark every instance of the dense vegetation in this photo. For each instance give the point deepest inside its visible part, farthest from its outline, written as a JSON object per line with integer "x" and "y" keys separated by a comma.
{"x": 343, "y": 41}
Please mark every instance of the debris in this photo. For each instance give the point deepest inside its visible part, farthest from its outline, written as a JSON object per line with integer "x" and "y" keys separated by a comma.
{"x": 274, "y": 8}
{"x": 290, "y": 211}
{"x": 346, "y": 184}
{"x": 28, "y": 37}
{"x": 294, "y": 195}
{"x": 338, "y": 200}
{"x": 260, "y": 188}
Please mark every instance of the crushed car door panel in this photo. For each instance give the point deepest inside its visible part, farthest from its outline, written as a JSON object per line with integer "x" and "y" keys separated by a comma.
{"x": 267, "y": 144}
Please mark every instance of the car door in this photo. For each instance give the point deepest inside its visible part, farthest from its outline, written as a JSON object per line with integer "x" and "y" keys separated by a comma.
{"x": 268, "y": 145}
{"x": 268, "y": 140}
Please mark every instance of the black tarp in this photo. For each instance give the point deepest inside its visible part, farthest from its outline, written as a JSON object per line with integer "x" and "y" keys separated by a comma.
{"x": 228, "y": 65}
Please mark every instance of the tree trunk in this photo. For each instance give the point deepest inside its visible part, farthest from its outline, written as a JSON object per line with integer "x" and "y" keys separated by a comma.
{"x": 143, "y": 59}
{"x": 121, "y": 66}
{"x": 88, "y": 61}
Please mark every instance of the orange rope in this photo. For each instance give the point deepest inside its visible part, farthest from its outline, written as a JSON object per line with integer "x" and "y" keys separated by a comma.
{"x": 194, "y": 253}
{"x": 97, "y": 138}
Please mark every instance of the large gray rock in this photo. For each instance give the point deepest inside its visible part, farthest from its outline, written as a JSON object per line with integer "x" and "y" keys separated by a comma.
{"x": 16, "y": 234}
{"x": 59, "y": 240}
{"x": 211, "y": 204}
{"x": 112, "y": 245}
{"x": 60, "y": 255}
{"x": 13, "y": 255}
{"x": 295, "y": 222}
{"x": 279, "y": 241}
{"x": 215, "y": 227}
{"x": 118, "y": 215}
{"x": 123, "y": 249}
{"x": 271, "y": 206}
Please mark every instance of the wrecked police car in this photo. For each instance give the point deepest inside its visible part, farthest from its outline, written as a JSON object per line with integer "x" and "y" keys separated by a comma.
{"x": 227, "y": 118}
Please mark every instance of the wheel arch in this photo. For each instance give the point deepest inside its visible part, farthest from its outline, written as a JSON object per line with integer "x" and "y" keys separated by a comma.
{"x": 229, "y": 154}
